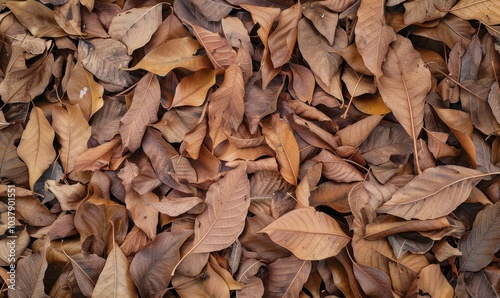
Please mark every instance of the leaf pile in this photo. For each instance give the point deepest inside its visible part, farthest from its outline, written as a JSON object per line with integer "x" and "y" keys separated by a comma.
{"x": 235, "y": 148}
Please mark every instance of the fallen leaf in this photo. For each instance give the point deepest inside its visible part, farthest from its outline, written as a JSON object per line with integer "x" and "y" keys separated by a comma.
{"x": 37, "y": 136}
{"x": 279, "y": 136}
{"x": 282, "y": 39}
{"x": 115, "y": 278}
{"x": 473, "y": 9}
{"x": 218, "y": 49}
{"x": 143, "y": 111}
{"x": 308, "y": 234}
{"x": 151, "y": 267}
{"x": 136, "y": 26}
{"x": 480, "y": 243}
{"x": 435, "y": 193}
{"x": 192, "y": 90}
{"x": 106, "y": 59}
{"x": 36, "y": 17}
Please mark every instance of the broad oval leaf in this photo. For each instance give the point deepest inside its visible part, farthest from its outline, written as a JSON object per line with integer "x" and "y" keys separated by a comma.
{"x": 106, "y": 59}
{"x": 35, "y": 148}
{"x": 432, "y": 281}
{"x": 336, "y": 169}
{"x": 179, "y": 52}
{"x": 153, "y": 264}
{"x": 142, "y": 112}
{"x": 435, "y": 193}
{"x": 36, "y": 17}
{"x": 136, "y": 26}
{"x": 192, "y": 90}
{"x": 480, "y": 244}
{"x": 486, "y": 11}
{"x": 280, "y": 138}
{"x": 308, "y": 234}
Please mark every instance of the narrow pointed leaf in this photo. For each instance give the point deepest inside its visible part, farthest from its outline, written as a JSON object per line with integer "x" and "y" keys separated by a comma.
{"x": 35, "y": 148}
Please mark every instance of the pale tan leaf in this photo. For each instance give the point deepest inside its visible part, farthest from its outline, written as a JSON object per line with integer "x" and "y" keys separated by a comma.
{"x": 136, "y": 26}
{"x": 35, "y": 148}
{"x": 486, "y": 11}
{"x": 421, "y": 11}
{"x": 323, "y": 19}
{"x": 179, "y": 52}
{"x": 84, "y": 91}
{"x": 192, "y": 90}
{"x": 280, "y": 138}
{"x": 373, "y": 36}
{"x": 143, "y": 213}
{"x": 308, "y": 234}
{"x": 449, "y": 30}
{"x": 432, "y": 281}
{"x": 176, "y": 206}
{"x": 73, "y": 133}
{"x": 435, "y": 193}
{"x": 356, "y": 83}
{"x": 332, "y": 194}
{"x": 69, "y": 196}
{"x": 142, "y": 112}
{"x": 282, "y": 40}
{"x": 212, "y": 10}
{"x": 386, "y": 226}
{"x": 353, "y": 135}
{"x": 36, "y": 17}
{"x": 106, "y": 59}
{"x": 68, "y": 16}
{"x": 115, "y": 279}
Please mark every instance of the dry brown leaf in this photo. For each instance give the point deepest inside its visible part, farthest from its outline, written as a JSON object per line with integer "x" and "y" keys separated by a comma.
{"x": 373, "y": 36}
{"x": 337, "y": 169}
{"x": 435, "y": 193}
{"x": 115, "y": 278}
{"x": 353, "y": 135}
{"x": 73, "y": 133}
{"x": 12, "y": 167}
{"x": 421, "y": 11}
{"x": 142, "y": 112}
{"x": 84, "y": 91}
{"x": 480, "y": 243}
{"x": 181, "y": 53}
{"x": 320, "y": 56}
{"x": 136, "y": 26}
{"x": 486, "y": 11}
{"x": 192, "y": 90}
{"x": 286, "y": 277}
{"x": 261, "y": 102}
{"x": 218, "y": 49}
{"x": 69, "y": 17}
{"x": 279, "y": 137}
{"x": 106, "y": 59}
{"x": 404, "y": 86}
{"x": 151, "y": 267}
{"x": 24, "y": 85}
{"x": 36, "y": 17}
{"x": 37, "y": 137}
{"x": 308, "y": 234}
{"x": 282, "y": 40}
{"x": 374, "y": 282}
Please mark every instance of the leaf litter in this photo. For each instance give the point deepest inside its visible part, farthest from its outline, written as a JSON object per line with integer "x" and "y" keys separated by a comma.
{"x": 203, "y": 148}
